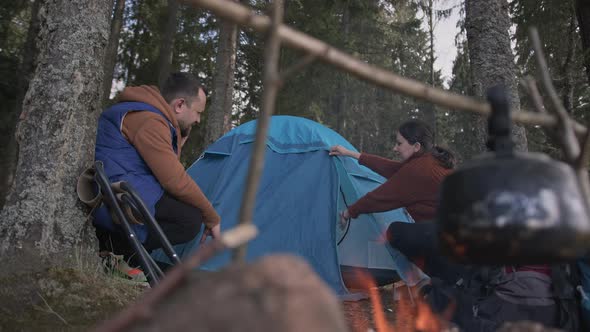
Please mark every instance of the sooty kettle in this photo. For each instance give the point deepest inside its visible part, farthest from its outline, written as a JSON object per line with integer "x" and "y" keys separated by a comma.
{"x": 508, "y": 207}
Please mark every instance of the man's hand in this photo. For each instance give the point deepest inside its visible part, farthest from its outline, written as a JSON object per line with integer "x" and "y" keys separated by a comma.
{"x": 339, "y": 150}
{"x": 213, "y": 232}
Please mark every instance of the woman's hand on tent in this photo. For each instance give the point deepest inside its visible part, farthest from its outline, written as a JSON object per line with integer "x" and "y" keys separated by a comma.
{"x": 339, "y": 150}
{"x": 344, "y": 218}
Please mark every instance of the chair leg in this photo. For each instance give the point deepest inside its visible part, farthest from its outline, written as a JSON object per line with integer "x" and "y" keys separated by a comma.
{"x": 132, "y": 197}
{"x": 112, "y": 202}
{"x": 155, "y": 265}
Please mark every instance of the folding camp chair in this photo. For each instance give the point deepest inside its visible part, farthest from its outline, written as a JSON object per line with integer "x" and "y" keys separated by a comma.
{"x": 125, "y": 204}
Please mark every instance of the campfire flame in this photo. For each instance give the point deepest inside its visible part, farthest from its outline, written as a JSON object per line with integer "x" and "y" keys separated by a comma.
{"x": 411, "y": 314}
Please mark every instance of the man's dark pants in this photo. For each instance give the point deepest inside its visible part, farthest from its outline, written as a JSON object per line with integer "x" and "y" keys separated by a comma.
{"x": 179, "y": 221}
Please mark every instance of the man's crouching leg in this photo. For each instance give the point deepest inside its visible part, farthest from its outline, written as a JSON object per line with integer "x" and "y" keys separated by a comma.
{"x": 179, "y": 221}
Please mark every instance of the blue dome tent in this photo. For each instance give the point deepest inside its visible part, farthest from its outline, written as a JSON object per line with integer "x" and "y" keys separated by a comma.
{"x": 302, "y": 189}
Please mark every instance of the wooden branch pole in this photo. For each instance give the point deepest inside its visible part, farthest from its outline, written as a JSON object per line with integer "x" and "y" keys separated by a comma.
{"x": 383, "y": 78}
{"x": 570, "y": 144}
{"x": 531, "y": 86}
{"x": 577, "y": 153}
{"x": 271, "y": 88}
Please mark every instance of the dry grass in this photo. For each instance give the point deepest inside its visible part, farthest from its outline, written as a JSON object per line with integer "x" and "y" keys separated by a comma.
{"x": 71, "y": 296}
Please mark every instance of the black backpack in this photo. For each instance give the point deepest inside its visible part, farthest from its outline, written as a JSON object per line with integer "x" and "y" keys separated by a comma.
{"x": 487, "y": 297}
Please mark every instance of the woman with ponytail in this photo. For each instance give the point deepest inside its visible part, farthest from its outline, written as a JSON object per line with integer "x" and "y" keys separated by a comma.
{"x": 413, "y": 183}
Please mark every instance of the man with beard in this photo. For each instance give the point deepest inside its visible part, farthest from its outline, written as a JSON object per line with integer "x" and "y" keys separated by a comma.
{"x": 139, "y": 140}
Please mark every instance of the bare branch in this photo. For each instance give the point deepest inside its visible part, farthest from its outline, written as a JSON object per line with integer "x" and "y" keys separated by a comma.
{"x": 569, "y": 141}
{"x": 533, "y": 92}
{"x": 576, "y": 156}
{"x": 383, "y": 78}
{"x": 271, "y": 89}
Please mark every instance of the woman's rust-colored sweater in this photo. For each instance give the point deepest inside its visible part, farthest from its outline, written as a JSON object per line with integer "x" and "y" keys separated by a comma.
{"x": 413, "y": 184}
{"x": 149, "y": 133}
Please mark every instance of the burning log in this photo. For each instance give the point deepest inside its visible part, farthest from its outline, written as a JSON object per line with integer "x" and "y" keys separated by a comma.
{"x": 277, "y": 293}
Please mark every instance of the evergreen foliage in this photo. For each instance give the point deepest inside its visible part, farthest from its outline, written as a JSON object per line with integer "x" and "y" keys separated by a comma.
{"x": 14, "y": 21}
{"x": 390, "y": 34}
{"x": 563, "y": 50}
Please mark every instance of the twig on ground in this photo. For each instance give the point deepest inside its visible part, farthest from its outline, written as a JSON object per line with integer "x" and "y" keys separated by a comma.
{"x": 50, "y": 310}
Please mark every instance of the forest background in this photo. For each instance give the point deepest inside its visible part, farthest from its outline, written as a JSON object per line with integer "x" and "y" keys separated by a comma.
{"x": 149, "y": 39}
{"x": 63, "y": 61}
{"x": 155, "y": 37}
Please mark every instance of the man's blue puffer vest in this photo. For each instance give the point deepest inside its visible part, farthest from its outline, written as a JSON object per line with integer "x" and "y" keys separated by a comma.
{"x": 122, "y": 162}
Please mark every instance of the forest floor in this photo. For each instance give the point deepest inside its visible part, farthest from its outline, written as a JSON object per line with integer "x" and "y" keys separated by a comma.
{"x": 387, "y": 312}
{"x": 361, "y": 316}
{"x": 62, "y": 298}
{"x": 75, "y": 299}
{"x": 77, "y": 295}
{"x": 66, "y": 299}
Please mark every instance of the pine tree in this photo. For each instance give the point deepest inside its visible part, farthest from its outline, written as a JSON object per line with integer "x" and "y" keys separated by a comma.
{"x": 491, "y": 59}
{"x": 562, "y": 45}
{"x": 220, "y": 111}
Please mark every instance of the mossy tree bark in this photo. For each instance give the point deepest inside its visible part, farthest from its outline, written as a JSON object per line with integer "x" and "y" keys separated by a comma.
{"x": 56, "y": 130}
{"x": 492, "y": 62}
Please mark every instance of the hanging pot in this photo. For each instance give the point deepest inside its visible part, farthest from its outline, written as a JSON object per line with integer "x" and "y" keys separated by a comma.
{"x": 507, "y": 207}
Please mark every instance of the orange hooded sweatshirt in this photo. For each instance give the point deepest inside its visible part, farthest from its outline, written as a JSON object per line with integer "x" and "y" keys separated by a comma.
{"x": 149, "y": 133}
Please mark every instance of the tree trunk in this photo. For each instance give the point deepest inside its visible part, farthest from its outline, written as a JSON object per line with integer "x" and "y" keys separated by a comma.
{"x": 430, "y": 110}
{"x": 8, "y": 149}
{"x": 111, "y": 52}
{"x": 165, "y": 56}
{"x": 343, "y": 82}
{"x": 219, "y": 117}
{"x": 55, "y": 134}
{"x": 583, "y": 14}
{"x": 487, "y": 23}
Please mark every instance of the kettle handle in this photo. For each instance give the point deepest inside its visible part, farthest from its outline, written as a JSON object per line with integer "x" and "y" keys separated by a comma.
{"x": 499, "y": 122}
